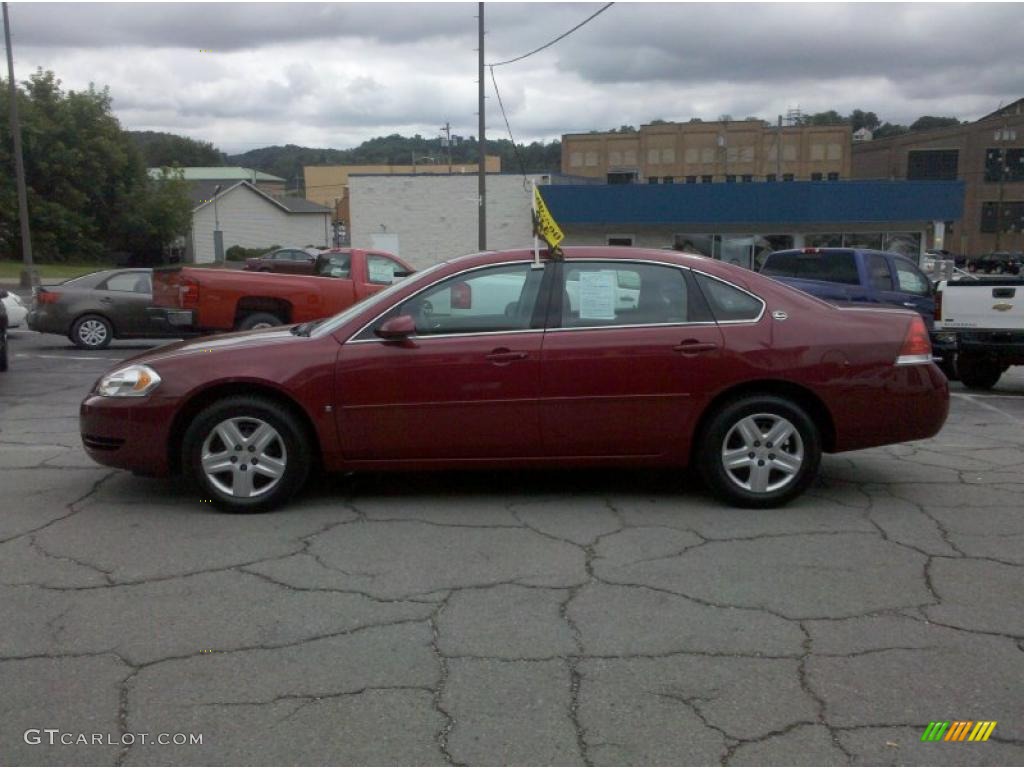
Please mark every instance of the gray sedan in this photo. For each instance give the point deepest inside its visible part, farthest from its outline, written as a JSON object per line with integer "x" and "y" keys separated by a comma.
{"x": 94, "y": 309}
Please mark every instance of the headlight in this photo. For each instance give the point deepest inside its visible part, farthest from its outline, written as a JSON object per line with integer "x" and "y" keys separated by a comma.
{"x": 133, "y": 381}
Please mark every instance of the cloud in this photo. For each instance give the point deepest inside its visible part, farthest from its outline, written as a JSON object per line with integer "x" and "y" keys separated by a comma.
{"x": 245, "y": 75}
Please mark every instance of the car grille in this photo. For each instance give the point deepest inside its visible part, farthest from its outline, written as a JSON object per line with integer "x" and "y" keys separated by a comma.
{"x": 98, "y": 443}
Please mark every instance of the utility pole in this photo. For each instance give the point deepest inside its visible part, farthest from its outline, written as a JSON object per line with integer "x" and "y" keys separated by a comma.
{"x": 446, "y": 129}
{"x": 482, "y": 170}
{"x": 29, "y": 276}
{"x": 778, "y": 152}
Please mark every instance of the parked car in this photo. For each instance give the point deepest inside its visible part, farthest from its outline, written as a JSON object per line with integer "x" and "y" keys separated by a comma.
{"x": 16, "y": 309}
{"x": 294, "y": 261}
{"x": 982, "y": 323}
{"x": 195, "y": 300}
{"x": 998, "y": 263}
{"x": 94, "y": 309}
{"x": 3, "y": 332}
{"x": 716, "y": 366}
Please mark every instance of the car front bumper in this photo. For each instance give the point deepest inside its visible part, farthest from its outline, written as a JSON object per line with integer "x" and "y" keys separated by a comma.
{"x": 128, "y": 432}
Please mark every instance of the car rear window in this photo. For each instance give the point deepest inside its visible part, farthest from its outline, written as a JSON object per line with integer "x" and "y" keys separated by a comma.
{"x": 829, "y": 266}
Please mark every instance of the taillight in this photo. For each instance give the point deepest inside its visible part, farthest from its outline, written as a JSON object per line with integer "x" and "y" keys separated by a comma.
{"x": 462, "y": 296}
{"x": 47, "y": 297}
{"x": 188, "y": 294}
{"x": 917, "y": 347}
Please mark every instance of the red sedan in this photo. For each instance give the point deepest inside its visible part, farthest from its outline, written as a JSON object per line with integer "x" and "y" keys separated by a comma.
{"x": 612, "y": 356}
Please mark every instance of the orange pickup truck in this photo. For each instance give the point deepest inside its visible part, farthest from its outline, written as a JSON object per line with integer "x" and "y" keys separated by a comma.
{"x": 201, "y": 300}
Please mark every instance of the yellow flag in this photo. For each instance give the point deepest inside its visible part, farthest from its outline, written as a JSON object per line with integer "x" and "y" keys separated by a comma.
{"x": 544, "y": 224}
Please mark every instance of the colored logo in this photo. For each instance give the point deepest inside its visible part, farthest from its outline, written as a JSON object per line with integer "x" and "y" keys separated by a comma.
{"x": 959, "y": 730}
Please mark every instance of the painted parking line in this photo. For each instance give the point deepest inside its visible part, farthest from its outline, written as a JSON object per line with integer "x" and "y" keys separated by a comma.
{"x": 980, "y": 401}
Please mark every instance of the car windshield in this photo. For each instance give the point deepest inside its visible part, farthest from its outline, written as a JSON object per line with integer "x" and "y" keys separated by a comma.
{"x": 380, "y": 298}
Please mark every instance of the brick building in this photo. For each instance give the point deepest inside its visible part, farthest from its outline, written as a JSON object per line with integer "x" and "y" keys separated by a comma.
{"x": 704, "y": 152}
{"x": 987, "y": 155}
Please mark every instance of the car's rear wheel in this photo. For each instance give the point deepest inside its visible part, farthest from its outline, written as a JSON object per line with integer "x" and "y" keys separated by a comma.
{"x": 258, "y": 320}
{"x": 246, "y": 454}
{"x": 759, "y": 451}
{"x": 92, "y": 332}
{"x": 978, "y": 372}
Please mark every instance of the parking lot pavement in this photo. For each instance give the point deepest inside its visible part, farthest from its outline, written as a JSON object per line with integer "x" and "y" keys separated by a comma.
{"x": 550, "y": 618}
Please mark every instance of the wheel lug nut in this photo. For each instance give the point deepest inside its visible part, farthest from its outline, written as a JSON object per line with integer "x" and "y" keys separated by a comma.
{"x": 243, "y": 466}
{"x": 234, "y": 459}
{"x": 254, "y": 462}
{"x": 757, "y": 443}
{"x": 771, "y": 456}
{"x": 759, "y": 463}
{"x": 751, "y": 455}
{"x": 238, "y": 447}
{"x": 767, "y": 445}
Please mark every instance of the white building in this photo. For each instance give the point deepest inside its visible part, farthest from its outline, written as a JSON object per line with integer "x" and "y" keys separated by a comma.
{"x": 251, "y": 218}
{"x": 428, "y": 219}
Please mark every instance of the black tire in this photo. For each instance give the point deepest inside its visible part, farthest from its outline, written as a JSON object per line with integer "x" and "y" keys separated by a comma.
{"x": 3, "y": 351}
{"x": 293, "y": 450}
{"x": 258, "y": 320}
{"x": 978, "y": 372}
{"x": 724, "y": 425}
{"x": 91, "y": 332}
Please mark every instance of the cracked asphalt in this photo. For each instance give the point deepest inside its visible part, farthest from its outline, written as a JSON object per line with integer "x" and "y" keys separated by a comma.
{"x": 550, "y": 618}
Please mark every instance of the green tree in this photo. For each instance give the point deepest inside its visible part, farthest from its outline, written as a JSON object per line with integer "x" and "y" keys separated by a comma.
{"x": 860, "y": 119}
{"x": 166, "y": 149}
{"x": 927, "y": 122}
{"x": 885, "y": 130}
{"x": 87, "y": 184}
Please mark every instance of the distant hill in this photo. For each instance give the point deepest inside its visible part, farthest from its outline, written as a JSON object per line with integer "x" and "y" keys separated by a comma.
{"x": 164, "y": 149}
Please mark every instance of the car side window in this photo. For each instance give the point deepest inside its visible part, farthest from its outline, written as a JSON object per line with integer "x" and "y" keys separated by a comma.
{"x": 381, "y": 269}
{"x": 879, "y": 273}
{"x": 129, "y": 282}
{"x": 910, "y": 280}
{"x": 335, "y": 265}
{"x": 486, "y": 300}
{"x": 729, "y": 303}
{"x": 597, "y": 294}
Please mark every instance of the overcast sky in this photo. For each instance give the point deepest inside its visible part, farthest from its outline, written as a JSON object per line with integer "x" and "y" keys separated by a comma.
{"x": 246, "y": 75}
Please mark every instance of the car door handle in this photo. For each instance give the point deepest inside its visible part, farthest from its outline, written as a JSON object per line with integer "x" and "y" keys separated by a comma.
{"x": 107, "y": 300}
{"x": 694, "y": 347}
{"x": 502, "y": 356}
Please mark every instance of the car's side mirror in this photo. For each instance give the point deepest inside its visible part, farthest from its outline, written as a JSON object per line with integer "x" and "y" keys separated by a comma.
{"x": 397, "y": 328}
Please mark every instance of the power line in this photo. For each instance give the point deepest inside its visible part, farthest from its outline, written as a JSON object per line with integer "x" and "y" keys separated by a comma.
{"x": 515, "y": 148}
{"x": 552, "y": 42}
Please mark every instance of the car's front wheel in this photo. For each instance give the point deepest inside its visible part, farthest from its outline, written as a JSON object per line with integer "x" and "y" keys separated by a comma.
{"x": 246, "y": 454}
{"x": 759, "y": 451}
{"x": 92, "y": 332}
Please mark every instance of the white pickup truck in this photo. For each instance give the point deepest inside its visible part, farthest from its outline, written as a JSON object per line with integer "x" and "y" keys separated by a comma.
{"x": 980, "y": 323}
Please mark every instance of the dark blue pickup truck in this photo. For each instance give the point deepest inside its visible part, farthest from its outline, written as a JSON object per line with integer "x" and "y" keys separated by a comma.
{"x": 854, "y": 274}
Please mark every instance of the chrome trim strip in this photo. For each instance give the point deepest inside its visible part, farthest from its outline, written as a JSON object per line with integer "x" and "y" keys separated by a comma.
{"x": 436, "y": 336}
{"x": 620, "y": 327}
{"x": 914, "y": 359}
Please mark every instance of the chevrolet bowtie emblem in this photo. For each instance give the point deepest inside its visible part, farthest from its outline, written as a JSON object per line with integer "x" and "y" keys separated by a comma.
{"x": 1003, "y": 307}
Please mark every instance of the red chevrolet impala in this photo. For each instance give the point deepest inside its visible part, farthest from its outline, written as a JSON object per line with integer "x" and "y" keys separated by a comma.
{"x": 610, "y": 356}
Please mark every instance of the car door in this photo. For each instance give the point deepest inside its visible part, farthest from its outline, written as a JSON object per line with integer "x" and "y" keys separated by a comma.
{"x": 622, "y": 380}
{"x": 123, "y": 297}
{"x": 464, "y": 386}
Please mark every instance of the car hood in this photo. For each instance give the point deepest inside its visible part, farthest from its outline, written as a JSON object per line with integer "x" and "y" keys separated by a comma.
{"x": 221, "y": 343}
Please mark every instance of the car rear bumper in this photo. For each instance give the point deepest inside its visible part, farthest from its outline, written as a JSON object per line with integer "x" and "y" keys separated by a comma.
{"x": 916, "y": 404}
{"x": 44, "y": 321}
{"x": 127, "y": 433}
{"x": 183, "y": 320}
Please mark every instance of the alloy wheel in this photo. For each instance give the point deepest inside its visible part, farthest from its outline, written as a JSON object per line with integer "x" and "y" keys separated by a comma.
{"x": 244, "y": 457}
{"x": 762, "y": 453}
{"x": 92, "y": 333}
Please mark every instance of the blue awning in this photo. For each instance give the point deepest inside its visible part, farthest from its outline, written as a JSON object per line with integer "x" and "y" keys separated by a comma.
{"x": 797, "y": 202}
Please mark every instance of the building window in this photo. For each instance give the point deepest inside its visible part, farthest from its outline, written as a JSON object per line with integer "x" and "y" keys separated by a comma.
{"x": 787, "y": 177}
{"x": 817, "y": 152}
{"x": 932, "y": 164}
{"x": 833, "y": 176}
{"x": 691, "y": 179}
{"x": 653, "y": 157}
{"x": 652, "y": 179}
{"x": 668, "y": 155}
{"x": 622, "y": 178}
{"x": 1014, "y": 164}
{"x": 730, "y": 179}
{"x": 815, "y": 177}
{"x": 1012, "y": 219}
{"x": 834, "y": 152}
{"x": 692, "y": 155}
{"x": 770, "y": 177}
{"x": 576, "y": 159}
{"x": 590, "y": 159}
{"x": 747, "y": 178}
{"x": 668, "y": 180}
{"x": 707, "y": 155}
{"x": 705, "y": 179}
{"x": 614, "y": 157}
